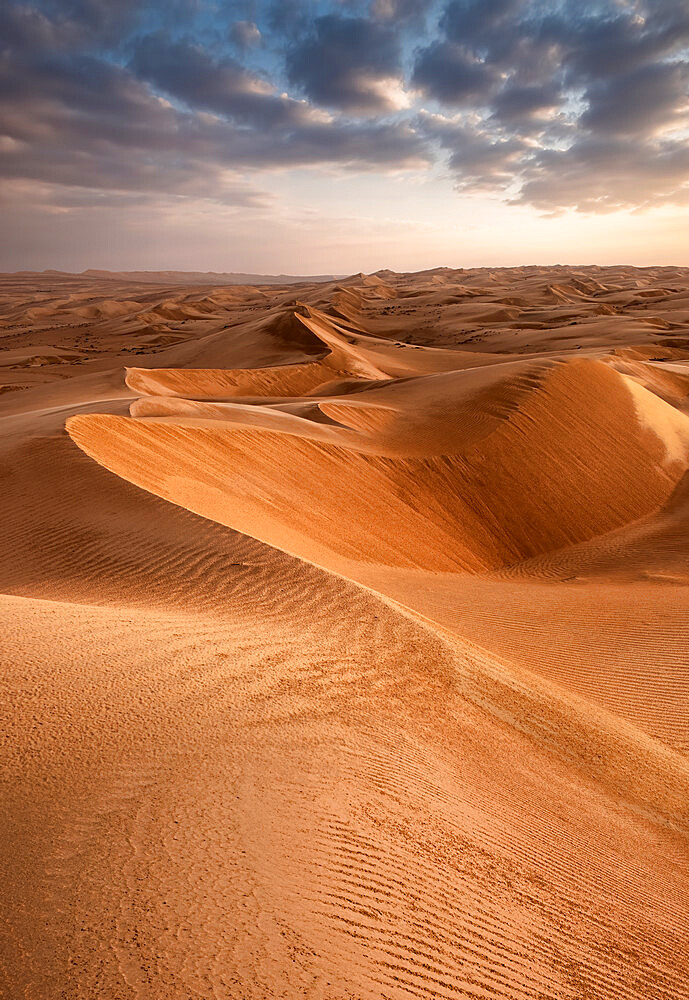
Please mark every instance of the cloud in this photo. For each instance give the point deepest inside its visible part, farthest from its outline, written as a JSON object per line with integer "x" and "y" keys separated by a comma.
{"x": 557, "y": 105}
{"x": 569, "y": 106}
{"x": 174, "y": 119}
{"x": 475, "y": 21}
{"x": 288, "y": 19}
{"x": 244, "y": 34}
{"x": 480, "y": 160}
{"x": 349, "y": 63}
{"x": 604, "y": 175}
{"x": 615, "y": 39}
{"x": 522, "y": 105}
{"x": 188, "y": 72}
{"x": 397, "y": 11}
{"x": 446, "y": 72}
{"x": 642, "y": 102}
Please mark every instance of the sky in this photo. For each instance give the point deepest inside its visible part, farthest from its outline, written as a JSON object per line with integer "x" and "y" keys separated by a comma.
{"x": 288, "y": 136}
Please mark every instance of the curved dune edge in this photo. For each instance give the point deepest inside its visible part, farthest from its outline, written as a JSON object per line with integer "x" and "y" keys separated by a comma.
{"x": 229, "y": 773}
{"x": 262, "y": 482}
{"x": 480, "y": 502}
{"x": 131, "y": 446}
{"x": 294, "y": 753}
{"x": 347, "y": 497}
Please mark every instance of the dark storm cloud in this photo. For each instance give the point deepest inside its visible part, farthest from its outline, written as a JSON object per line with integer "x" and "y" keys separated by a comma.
{"x": 554, "y": 103}
{"x": 340, "y": 62}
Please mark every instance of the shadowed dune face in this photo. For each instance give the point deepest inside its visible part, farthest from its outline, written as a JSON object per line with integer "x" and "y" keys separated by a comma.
{"x": 445, "y": 477}
{"x": 365, "y": 674}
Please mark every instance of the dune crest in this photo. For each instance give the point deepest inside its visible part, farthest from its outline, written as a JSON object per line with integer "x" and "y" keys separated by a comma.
{"x": 468, "y": 498}
{"x": 365, "y": 674}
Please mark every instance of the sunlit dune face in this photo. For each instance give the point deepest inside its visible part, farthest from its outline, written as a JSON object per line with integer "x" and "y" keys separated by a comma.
{"x": 345, "y": 633}
{"x": 344, "y": 451}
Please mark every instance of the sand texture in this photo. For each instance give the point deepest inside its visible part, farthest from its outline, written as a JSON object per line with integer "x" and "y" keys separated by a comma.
{"x": 345, "y": 636}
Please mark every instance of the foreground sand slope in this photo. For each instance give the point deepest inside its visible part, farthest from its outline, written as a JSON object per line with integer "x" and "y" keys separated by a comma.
{"x": 404, "y": 712}
{"x": 502, "y": 469}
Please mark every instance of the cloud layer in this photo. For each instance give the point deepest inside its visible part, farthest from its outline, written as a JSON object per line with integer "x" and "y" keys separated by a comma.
{"x": 558, "y": 105}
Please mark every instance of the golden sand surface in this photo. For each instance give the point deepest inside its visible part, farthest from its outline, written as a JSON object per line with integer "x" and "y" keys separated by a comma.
{"x": 345, "y": 636}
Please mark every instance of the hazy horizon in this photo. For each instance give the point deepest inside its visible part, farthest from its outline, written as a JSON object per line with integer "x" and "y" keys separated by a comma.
{"x": 341, "y": 273}
{"x": 344, "y": 583}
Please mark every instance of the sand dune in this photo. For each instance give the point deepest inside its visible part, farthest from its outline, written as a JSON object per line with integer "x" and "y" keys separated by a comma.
{"x": 365, "y": 674}
{"x": 487, "y": 489}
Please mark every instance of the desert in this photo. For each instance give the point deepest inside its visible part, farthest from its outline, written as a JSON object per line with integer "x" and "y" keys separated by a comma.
{"x": 345, "y": 634}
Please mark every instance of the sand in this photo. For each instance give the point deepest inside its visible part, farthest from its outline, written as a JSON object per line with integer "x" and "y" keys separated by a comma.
{"x": 344, "y": 631}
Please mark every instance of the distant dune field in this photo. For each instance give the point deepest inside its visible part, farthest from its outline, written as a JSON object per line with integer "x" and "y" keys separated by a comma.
{"x": 346, "y": 635}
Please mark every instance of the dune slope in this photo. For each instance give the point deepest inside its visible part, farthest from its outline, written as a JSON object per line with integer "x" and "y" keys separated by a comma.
{"x": 352, "y": 655}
